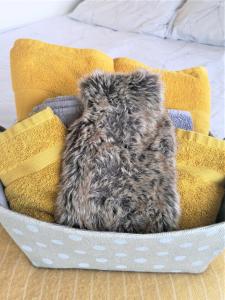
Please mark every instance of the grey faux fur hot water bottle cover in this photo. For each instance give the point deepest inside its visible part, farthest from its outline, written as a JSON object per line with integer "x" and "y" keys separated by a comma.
{"x": 118, "y": 169}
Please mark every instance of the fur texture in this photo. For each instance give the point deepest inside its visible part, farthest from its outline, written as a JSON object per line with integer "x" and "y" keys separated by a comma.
{"x": 118, "y": 171}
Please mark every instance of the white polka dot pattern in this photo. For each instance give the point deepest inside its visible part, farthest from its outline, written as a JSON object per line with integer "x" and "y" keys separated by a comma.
{"x": 158, "y": 267}
{"x": 186, "y": 245}
{"x": 180, "y": 258}
{"x": 57, "y": 242}
{"x": 120, "y": 254}
{"x": 121, "y": 267}
{"x": 197, "y": 263}
{"x": 120, "y": 242}
{"x": 142, "y": 248}
{"x": 83, "y": 265}
{"x": 99, "y": 248}
{"x": 164, "y": 253}
{"x": 140, "y": 260}
{"x": 17, "y": 231}
{"x": 63, "y": 255}
{"x": 41, "y": 245}
{"x": 47, "y": 261}
{"x": 101, "y": 259}
{"x": 50, "y": 246}
{"x": 75, "y": 237}
{"x": 80, "y": 252}
{"x": 203, "y": 248}
{"x": 32, "y": 228}
{"x": 166, "y": 240}
{"x": 27, "y": 248}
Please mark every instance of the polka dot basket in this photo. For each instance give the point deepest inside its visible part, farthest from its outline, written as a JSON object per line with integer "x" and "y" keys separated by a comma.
{"x": 52, "y": 246}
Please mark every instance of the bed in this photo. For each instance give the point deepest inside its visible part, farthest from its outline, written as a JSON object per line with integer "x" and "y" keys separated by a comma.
{"x": 154, "y": 51}
{"x": 19, "y": 280}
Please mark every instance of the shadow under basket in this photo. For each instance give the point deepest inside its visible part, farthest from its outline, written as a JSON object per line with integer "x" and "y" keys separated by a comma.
{"x": 50, "y": 245}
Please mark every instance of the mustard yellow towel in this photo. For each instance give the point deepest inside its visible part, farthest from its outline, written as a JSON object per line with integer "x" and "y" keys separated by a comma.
{"x": 201, "y": 177}
{"x": 187, "y": 90}
{"x": 30, "y": 164}
{"x": 40, "y": 71}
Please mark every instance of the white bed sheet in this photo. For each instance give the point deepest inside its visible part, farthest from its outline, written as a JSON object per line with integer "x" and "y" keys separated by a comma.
{"x": 153, "y": 51}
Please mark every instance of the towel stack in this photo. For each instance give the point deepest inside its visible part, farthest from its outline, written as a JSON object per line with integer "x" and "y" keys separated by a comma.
{"x": 67, "y": 108}
{"x": 31, "y": 150}
{"x": 200, "y": 175}
{"x": 31, "y": 153}
{"x": 40, "y": 71}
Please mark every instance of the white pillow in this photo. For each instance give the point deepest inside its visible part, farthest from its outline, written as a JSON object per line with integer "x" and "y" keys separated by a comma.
{"x": 148, "y": 16}
{"x": 200, "y": 21}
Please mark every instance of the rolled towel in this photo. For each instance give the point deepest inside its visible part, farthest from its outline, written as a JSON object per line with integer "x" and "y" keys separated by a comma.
{"x": 67, "y": 108}
{"x": 30, "y": 164}
{"x": 3, "y": 201}
{"x": 181, "y": 119}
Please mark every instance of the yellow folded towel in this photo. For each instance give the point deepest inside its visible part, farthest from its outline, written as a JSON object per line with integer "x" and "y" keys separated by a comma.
{"x": 187, "y": 90}
{"x": 40, "y": 71}
{"x": 30, "y": 164}
{"x": 201, "y": 177}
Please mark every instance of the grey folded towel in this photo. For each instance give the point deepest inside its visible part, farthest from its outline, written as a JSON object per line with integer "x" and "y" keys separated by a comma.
{"x": 67, "y": 108}
{"x": 181, "y": 119}
{"x": 3, "y": 201}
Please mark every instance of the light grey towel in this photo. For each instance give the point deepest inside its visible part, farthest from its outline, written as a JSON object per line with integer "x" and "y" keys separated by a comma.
{"x": 181, "y": 119}
{"x": 3, "y": 201}
{"x": 67, "y": 108}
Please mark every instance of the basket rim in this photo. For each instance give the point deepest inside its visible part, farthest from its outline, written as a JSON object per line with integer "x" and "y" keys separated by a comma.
{"x": 30, "y": 220}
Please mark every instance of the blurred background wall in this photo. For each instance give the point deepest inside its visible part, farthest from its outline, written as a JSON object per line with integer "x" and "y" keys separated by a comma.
{"x": 16, "y": 13}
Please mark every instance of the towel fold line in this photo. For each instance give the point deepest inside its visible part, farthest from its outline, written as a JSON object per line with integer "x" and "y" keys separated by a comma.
{"x": 29, "y": 123}
{"x": 209, "y": 141}
{"x": 32, "y": 165}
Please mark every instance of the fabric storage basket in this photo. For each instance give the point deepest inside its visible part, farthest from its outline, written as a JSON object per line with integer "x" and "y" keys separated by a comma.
{"x": 49, "y": 245}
